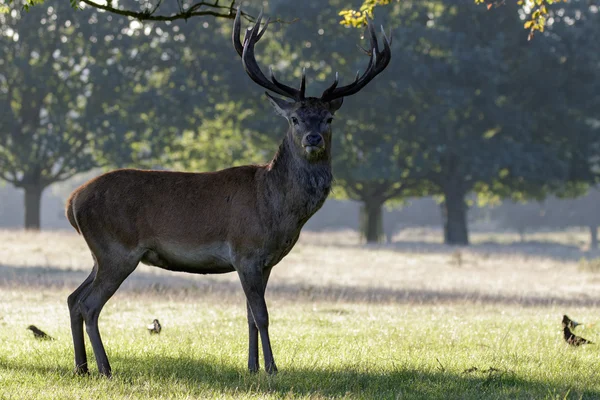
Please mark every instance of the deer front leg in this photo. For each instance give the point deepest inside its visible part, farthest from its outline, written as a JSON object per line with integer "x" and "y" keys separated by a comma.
{"x": 254, "y": 283}
{"x": 252, "y": 342}
{"x": 253, "y": 364}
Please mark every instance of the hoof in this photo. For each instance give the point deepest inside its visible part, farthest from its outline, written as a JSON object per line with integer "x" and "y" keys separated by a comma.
{"x": 81, "y": 370}
{"x": 271, "y": 369}
{"x": 105, "y": 372}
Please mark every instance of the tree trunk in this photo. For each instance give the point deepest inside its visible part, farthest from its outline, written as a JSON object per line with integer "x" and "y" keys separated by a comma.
{"x": 371, "y": 220}
{"x": 388, "y": 236}
{"x": 594, "y": 237}
{"x": 33, "y": 199}
{"x": 521, "y": 231}
{"x": 454, "y": 212}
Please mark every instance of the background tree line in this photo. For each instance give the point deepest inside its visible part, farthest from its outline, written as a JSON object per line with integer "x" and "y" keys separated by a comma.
{"x": 468, "y": 106}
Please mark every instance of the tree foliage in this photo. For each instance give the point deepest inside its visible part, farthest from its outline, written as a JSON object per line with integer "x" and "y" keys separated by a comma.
{"x": 48, "y": 100}
{"x": 80, "y": 89}
{"x": 536, "y": 11}
{"x": 476, "y": 108}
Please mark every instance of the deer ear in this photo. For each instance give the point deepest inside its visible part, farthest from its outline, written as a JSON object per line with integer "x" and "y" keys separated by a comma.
{"x": 335, "y": 105}
{"x": 281, "y": 106}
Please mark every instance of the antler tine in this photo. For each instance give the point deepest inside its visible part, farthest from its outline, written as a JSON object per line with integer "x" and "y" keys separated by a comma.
{"x": 303, "y": 83}
{"x": 387, "y": 42}
{"x": 256, "y": 27}
{"x": 385, "y": 38}
{"x": 264, "y": 28}
{"x": 372, "y": 53}
{"x": 378, "y": 61}
{"x": 372, "y": 36}
{"x": 291, "y": 92}
{"x": 235, "y": 36}
{"x": 367, "y": 52}
{"x": 246, "y": 50}
{"x": 333, "y": 85}
{"x": 246, "y": 36}
{"x": 372, "y": 58}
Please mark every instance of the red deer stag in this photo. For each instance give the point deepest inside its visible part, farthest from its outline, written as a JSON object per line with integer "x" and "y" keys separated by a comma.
{"x": 243, "y": 219}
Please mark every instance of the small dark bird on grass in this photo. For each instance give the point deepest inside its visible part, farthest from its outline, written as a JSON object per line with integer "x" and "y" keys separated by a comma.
{"x": 38, "y": 333}
{"x": 573, "y": 339}
{"x": 154, "y": 327}
{"x": 569, "y": 323}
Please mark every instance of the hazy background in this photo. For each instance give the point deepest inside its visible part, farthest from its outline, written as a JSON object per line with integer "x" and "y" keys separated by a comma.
{"x": 471, "y": 127}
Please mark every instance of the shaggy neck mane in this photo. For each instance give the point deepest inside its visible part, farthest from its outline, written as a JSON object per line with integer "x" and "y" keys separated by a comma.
{"x": 303, "y": 185}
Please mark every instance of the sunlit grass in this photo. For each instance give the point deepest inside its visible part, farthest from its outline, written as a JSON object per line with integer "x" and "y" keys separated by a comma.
{"x": 323, "y": 349}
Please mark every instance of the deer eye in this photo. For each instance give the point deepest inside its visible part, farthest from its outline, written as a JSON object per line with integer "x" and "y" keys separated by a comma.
{"x": 329, "y": 120}
{"x": 295, "y": 120}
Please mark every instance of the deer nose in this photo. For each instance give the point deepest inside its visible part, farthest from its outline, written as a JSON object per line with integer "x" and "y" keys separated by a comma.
{"x": 313, "y": 139}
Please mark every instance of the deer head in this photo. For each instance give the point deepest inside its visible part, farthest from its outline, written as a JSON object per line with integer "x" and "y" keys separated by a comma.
{"x": 310, "y": 118}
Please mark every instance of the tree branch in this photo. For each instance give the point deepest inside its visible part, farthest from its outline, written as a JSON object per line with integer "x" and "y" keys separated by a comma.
{"x": 215, "y": 10}
{"x": 395, "y": 192}
{"x": 4, "y": 176}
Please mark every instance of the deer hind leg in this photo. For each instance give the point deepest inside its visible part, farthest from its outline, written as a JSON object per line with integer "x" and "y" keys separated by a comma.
{"x": 111, "y": 273}
{"x": 81, "y": 367}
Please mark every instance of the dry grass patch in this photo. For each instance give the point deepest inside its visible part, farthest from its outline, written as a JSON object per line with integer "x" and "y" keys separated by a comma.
{"x": 327, "y": 266}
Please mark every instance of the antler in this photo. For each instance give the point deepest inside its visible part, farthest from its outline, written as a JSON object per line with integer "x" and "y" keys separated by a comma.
{"x": 377, "y": 62}
{"x": 246, "y": 51}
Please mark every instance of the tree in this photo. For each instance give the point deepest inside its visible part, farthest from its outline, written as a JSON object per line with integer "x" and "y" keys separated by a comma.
{"x": 468, "y": 128}
{"x": 520, "y": 216}
{"x": 561, "y": 213}
{"x": 43, "y": 103}
{"x": 556, "y": 84}
{"x": 57, "y": 88}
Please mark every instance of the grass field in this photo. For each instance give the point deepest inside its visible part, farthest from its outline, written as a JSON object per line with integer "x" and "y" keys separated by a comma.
{"x": 414, "y": 319}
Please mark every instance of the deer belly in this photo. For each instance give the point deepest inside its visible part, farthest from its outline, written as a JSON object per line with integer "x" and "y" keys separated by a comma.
{"x": 204, "y": 259}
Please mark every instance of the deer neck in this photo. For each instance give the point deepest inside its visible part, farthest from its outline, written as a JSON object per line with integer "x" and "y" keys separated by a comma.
{"x": 296, "y": 184}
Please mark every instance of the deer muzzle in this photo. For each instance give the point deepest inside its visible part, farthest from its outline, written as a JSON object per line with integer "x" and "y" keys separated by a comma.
{"x": 312, "y": 143}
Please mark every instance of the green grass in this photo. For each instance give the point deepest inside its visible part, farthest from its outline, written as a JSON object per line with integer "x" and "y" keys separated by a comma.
{"x": 323, "y": 350}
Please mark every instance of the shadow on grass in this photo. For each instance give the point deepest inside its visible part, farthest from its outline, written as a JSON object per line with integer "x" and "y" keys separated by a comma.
{"x": 197, "y": 377}
{"x": 534, "y": 249}
{"x": 202, "y": 286}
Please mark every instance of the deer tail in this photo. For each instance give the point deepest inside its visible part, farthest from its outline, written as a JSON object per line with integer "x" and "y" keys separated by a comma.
{"x": 70, "y": 213}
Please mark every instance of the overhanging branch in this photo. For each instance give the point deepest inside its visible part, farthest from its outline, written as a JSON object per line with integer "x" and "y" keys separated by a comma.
{"x": 210, "y": 9}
